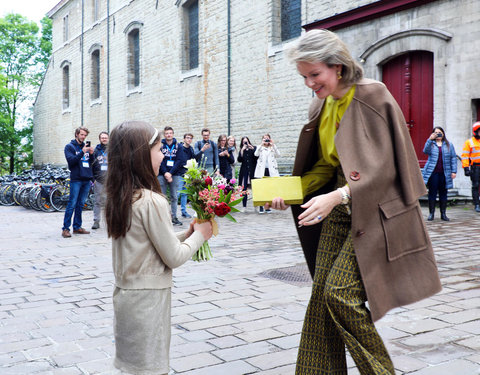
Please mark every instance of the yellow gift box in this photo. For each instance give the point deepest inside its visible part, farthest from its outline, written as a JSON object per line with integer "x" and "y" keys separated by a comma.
{"x": 287, "y": 187}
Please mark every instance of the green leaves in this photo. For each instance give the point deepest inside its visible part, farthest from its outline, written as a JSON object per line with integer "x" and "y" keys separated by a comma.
{"x": 24, "y": 56}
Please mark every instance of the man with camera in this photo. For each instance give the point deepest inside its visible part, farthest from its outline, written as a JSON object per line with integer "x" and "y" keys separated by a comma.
{"x": 99, "y": 166}
{"x": 208, "y": 150}
{"x": 471, "y": 162}
{"x": 78, "y": 154}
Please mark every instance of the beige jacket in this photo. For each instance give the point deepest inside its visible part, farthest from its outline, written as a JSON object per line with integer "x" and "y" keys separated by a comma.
{"x": 391, "y": 243}
{"x": 145, "y": 257}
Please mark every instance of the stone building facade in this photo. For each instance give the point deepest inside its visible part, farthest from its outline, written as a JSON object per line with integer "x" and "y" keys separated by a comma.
{"x": 115, "y": 60}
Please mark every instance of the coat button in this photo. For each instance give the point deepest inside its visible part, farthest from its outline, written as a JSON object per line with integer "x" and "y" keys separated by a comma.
{"x": 354, "y": 176}
{"x": 360, "y": 233}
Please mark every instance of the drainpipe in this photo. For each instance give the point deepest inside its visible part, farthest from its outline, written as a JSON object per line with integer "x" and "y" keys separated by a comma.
{"x": 108, "y": 66}
{"x": 81, "y": 54}
{"x": 229, "y": 58}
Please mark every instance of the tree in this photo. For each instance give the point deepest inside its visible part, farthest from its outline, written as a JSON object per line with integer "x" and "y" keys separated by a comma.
{"x": 23, "y": 60}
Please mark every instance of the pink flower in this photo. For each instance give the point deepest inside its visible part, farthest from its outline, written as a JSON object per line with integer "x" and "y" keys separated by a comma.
{"x": 221, "y": 186}
{"x": 233, "y": 181}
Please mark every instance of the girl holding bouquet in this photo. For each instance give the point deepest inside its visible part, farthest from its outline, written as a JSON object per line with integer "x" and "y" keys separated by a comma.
{"x": 145, "y": 249}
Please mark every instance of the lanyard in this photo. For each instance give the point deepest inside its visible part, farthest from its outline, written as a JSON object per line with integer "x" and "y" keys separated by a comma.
{"x": 170, "y": 150}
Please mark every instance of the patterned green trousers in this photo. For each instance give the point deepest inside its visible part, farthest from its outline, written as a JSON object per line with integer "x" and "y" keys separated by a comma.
{"x": 336, "y": 315}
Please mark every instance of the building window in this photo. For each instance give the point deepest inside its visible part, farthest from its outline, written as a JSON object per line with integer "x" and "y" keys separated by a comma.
{"x": 291, "y": 19}
{"x": 65, "y": 28}
{"x": 95, "y": 9}
{"x": 95, "y": 78}
{"x": 66, "y": 86}
{"x": 191, "y": 35}
{"x": 133, "y": 64}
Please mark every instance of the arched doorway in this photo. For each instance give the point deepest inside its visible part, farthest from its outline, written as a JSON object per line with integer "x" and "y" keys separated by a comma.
{"x": 409, "y": 77}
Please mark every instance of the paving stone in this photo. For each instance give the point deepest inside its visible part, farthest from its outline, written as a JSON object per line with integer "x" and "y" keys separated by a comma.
{"x": 459, "y": 366}
{"x": 195, "y": 361}
{"x": 230, "y": 368}
{"x": 245, "y": 351}
{"x": 260, "y": 335}
{"x": 272, "y": 360}
{"x": 226, "y": 342}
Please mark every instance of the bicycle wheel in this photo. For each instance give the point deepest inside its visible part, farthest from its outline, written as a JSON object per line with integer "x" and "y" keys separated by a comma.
{"x": 17, "y": 193}
{"x": 43, "y": 200}
{"x": 32, "y": 197}
{"x": 24, "y": 201}
{"x": 59, "y": 197}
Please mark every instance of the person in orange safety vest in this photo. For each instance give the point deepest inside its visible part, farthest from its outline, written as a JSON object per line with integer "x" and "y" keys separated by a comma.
{"x": 471, "y": 162}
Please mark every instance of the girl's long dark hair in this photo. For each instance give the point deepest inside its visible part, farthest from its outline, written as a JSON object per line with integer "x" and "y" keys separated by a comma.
{"x": 129, "y": 170}
{"x": 444, "y": 136}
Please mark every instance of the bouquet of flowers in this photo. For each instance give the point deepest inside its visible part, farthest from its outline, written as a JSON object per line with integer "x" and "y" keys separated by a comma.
{"x": 210, "y": 196}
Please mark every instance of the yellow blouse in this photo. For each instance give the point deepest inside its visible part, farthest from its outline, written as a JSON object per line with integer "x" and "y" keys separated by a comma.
{"x": 324, "y": 169}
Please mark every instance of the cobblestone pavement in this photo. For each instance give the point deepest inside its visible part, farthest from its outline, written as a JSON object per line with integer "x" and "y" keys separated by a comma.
{"x": 240, "y": 313}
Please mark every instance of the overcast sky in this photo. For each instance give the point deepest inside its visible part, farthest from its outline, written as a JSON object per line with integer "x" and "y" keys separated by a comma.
{"x": 34, "y": 10}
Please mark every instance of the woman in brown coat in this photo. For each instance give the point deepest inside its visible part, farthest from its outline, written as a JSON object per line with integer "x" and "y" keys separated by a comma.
{"x": 361, "y": 227}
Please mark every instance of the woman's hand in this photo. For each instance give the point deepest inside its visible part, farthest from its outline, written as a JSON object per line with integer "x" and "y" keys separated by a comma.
{"x": 205, "y": 229}
{"x": 277, "y": 204}
{"x": 454, "y": 175}
{"x": 318, "y": 208}
{"x": 433, "y": 136}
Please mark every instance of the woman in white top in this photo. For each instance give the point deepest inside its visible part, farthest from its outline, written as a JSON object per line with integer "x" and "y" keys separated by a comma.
{"x": 267, "y": 154}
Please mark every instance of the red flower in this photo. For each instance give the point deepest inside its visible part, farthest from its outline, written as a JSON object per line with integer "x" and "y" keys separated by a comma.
{"x": 222, "y": 209}
{"x": 208, "y": 181}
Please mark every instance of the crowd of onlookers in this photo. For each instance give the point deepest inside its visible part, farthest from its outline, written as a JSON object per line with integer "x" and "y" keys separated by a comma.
{"x": 242, "y": 161}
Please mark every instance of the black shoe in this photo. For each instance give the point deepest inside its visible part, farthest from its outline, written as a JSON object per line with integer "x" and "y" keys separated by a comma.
{"x": 443, "y": 210}
{"x": 431, "y": 209}
{"x": 96, "y": 225}
{"x": 175, "y": 221}
{"x": 186, "y": 215}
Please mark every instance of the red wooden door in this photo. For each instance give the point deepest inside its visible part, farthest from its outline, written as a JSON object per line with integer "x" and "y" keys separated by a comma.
{"x": 409, "y": 77}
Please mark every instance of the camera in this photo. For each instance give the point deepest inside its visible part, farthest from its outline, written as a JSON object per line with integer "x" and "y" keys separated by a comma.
{"x": 245, "y": 143}
{"x": 88, "y": 143}
{"x": 266, "y": 140}
{"x": 439, "y": 135}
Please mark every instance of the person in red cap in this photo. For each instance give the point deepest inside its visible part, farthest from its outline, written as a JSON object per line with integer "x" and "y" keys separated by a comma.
{"x": 471, "y": 162}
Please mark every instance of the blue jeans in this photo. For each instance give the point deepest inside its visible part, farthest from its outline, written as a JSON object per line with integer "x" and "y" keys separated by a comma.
{"x": 173, "y": 191}
{"x": 183, "y": 196}
{"x": 78, "y": 194}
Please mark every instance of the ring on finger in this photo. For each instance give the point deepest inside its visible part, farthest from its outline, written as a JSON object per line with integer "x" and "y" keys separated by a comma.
{"x": 319, "y": 217}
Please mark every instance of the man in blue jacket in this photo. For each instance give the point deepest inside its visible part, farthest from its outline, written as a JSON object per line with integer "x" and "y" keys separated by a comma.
{"x": 170, "y": 170}
{"x": 78, "y": 155}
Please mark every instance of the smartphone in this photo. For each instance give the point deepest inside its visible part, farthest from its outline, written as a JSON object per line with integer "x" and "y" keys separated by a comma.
{"x": 88, "y": 143}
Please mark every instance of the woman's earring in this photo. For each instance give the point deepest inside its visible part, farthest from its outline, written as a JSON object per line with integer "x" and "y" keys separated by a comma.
{"x": 339, "y": 75}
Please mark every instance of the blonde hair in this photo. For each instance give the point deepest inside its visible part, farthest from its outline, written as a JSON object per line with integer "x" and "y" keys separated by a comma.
{"x": 323, "y": 46}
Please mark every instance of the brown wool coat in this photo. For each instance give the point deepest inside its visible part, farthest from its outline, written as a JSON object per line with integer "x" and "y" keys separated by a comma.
{"x": 391, "y": 243}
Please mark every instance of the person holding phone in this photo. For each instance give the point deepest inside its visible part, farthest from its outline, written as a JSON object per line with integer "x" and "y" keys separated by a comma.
{"x": 439, "y": 171}
{"x": 267, "y": 154}
{"x": 248, "y": 160}
{"x": 78, "y": 154}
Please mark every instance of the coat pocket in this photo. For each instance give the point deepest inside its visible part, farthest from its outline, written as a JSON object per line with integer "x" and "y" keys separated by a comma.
{"x": 403, "y": 227}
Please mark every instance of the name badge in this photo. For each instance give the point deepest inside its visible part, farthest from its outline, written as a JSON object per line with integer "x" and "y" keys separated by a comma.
{"x": 85, "y": 164}
{"x": 103, "y": 167}
{"x": 170, "y": 163}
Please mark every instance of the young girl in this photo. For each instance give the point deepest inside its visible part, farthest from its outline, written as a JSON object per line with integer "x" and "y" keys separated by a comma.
{"x": 145, "y": 249}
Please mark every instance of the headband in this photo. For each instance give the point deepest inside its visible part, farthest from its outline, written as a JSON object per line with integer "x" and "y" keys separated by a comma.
{"x": 155, "y": 135}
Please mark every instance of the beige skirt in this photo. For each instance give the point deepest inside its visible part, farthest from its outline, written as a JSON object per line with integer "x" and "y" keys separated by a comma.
{"x": 142, "y": 327}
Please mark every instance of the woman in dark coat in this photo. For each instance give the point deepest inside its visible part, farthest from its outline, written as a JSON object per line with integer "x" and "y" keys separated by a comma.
{"x": 248, "y": 160}
{"x": 225, "y": 158}
{"x": 439, "y": 171}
